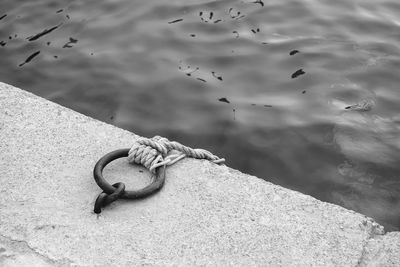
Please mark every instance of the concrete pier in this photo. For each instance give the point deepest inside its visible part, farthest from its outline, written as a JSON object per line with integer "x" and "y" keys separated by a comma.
{"x": 206, "y": 215}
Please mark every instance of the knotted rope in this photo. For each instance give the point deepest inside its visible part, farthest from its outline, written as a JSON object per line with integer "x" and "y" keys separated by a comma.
{"x": 159, "y": 151}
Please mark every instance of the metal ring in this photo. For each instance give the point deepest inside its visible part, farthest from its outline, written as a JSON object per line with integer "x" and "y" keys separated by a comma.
{"x": 103, "y": 199}
{"x": 156, "y": 184}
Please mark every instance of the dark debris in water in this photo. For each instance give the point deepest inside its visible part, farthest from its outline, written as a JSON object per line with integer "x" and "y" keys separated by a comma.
{"x": 224, "y": 99}
{"x": 2, "y": 43}
{"x": 71, "y": 41}
{"x": 364, "y": 105}
{"x": 304, "y": 91}
{"x": 237, "y": 34}
{"x": 266, "y": 106}
{"x": 60, "y": 10}
{"x": 216, "y": 76}
{"x": 208, "y": 16}
{"x": 2, "y": 17}
{"x": 67, "y": 16}
{"x": 191, "y": 72}
{"x": 30, "y": 58}
{"x": 44, "y": 32}
{"x": 259, "y": 2}
{"x": 175, "y": 21}
{"x": 233, "y": 15}
{"x": 192, "y": 35}
{"x": 188, "y": 71}
{"x": 255, "y": 30}
{"x": 294, "y": 52}
{"x": 297, "y": 73}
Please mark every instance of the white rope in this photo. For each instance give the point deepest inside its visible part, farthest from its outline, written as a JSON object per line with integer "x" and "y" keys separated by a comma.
{"x": 159, "y": 151}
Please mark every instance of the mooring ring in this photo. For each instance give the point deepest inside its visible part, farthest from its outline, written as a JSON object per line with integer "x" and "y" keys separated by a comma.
{"x": 156, "y": 184}
{"x": 103, "y": 199}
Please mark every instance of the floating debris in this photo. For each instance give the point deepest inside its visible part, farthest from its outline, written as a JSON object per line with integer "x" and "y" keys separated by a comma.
{"x": 237, "y": 34}
{"x": 268, "y": 106}
{"x": 237, "y": 16}
{"x": 294, "y": 52}
{"x": 193, "y": 35}
{"x": 223, "y": 99}
{"x": 264, "y": 43}
{"x": 259, "y": 2}
{"x": 46, "y": 31}
{"x": 71, "y": 41}
{"x": 364, "y": 105}
{"x": 256, "y": 30}
{"x": 204, "y": 18}
{"x": 60, "y": 10}
{"x": 215, "y": 76}
{"x": 304, "y": 92}
{"x": 2, "y": 17}
{"x": 175, "y": 21}
{"x": 201, "y": 16}
{"x": 298, "y": 73}
{"x": 55, "y": 56}
{"x": 234, "y": 116}
{"x": 200, "y": 79}
{"x": 67, "y": 16}
{"x": 2, "y": 43}
{"x": 190, "y": 73}
{"x": 48, "y": 43}
{"x": 30, "y": 58}
{"x": 230, "y": 12}
{"x": 253, "y": 104}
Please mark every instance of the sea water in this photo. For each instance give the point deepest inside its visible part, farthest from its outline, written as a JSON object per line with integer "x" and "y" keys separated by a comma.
{"x": 302, "y": 93}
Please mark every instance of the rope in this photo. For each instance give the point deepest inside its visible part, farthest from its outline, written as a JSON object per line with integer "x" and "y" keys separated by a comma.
{"x": 159, "y": 151}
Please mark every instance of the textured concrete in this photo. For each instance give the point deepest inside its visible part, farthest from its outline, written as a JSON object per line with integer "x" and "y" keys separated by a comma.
{"x": 205, "y": 214}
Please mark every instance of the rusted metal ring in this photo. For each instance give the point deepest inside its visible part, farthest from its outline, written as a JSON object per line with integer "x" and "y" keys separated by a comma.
{"x": 113, "y": 192}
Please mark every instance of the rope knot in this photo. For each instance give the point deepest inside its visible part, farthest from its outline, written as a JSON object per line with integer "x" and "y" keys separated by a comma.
{"x": 159, "y": 151}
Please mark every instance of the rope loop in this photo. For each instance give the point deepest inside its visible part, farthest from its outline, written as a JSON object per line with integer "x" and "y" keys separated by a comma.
{"x": 159, "y": 151}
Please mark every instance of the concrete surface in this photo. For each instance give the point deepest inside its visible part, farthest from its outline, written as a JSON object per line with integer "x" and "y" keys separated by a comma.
{"x": 205, "y": 214}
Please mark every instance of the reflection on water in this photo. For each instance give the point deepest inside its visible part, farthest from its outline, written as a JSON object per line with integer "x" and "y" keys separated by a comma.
{"x": 302, "y": 93}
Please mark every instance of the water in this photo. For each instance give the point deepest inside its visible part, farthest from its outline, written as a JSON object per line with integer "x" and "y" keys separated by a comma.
{"x": 302, "y": 93}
